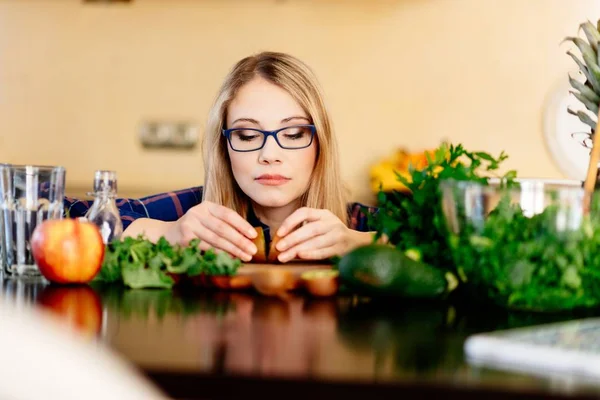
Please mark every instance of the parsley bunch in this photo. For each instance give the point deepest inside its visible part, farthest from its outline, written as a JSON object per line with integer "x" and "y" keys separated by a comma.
{"x": 139, "y": 263}
{"x": 416, "y": 222}
{"x": 532, "y": 263}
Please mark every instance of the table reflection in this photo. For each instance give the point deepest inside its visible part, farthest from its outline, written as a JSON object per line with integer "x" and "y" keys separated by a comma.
{"x": 241, "y": 333}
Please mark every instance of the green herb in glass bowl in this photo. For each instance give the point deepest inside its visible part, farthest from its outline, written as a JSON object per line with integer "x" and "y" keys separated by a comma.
{"x": 529, "y": 247}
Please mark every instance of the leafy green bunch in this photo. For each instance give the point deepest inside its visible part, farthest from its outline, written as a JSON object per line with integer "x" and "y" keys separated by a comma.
{"x": 532, "y": 262}
{"x": 139, "y": 263}
{"x": 416, "y": 222}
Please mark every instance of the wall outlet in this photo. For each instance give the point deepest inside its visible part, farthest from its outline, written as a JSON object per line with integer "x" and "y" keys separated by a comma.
{"x": 165, "y": 134}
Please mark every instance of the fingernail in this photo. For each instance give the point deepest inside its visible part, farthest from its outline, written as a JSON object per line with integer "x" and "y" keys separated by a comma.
{"x": 281, "y": 246}
{"x": 246, "y": 257}
{"x": 251, "y": 248}
{"x": 252, "y": 233}
{"x": 283, "y": 257}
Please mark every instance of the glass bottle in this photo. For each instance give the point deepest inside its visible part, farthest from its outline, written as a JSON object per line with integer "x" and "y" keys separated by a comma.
{"x": 104, "y": 212}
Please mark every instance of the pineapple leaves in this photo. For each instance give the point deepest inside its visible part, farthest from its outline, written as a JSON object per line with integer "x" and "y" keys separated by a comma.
{"x": 588, "y": 75}
{"x": 588, "y": 93}
{"x": 583, "y": 117}
{"x": 587, "y": 52}
{"x": 590, "y": 105}
{"x": 591, "y": 33}
{"x": 585, "y": 91}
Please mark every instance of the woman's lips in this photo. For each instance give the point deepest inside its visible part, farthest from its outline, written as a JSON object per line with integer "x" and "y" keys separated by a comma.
{"x": 272, "y": 180}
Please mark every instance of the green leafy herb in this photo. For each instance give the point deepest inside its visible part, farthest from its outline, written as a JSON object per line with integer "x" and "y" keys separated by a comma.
{"x": 416, "y": 222}
{"x": 533, "y": 263}
{"x": 139, "y": 263}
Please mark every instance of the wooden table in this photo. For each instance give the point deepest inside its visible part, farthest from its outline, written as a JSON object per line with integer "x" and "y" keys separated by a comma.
{"x": 198, "y": 344}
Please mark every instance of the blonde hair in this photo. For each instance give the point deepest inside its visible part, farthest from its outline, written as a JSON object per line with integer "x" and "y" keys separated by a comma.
{"x": 326, "y": 190}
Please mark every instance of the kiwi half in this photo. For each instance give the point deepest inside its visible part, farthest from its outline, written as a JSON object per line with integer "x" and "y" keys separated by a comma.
{"x": 259, "y": 241}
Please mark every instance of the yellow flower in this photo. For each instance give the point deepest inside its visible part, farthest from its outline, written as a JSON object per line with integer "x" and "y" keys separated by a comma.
{"x": 383, "y": 173}
{"x": 437, "y": 170}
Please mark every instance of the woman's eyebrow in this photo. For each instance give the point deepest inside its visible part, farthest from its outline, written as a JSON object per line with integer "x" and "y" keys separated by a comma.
{"x": 253, "y": 121}
{"x": 294, "y": 117}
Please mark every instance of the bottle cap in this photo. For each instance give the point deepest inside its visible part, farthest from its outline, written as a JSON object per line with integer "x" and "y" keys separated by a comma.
{"x": 105, "y": 182}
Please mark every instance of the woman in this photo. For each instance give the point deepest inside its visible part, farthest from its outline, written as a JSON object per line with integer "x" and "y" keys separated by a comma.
{"x": 271, "y": 161}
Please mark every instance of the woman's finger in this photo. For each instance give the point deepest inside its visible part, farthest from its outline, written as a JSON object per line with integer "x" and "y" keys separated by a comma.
{"x": 302, "y": 234}
{"x": 232, "y": 219}
{"x": 205, "y": 246}
{"x": 222, "y": 229}
{"x": 319, "y": 254}
{"x": 207, "y": 235}
{"x": 297, "y": 217}
{"x": 324, "y": 241}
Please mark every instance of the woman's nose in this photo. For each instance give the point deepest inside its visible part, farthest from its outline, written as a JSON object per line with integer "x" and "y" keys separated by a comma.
{"x": 271, "y": 152}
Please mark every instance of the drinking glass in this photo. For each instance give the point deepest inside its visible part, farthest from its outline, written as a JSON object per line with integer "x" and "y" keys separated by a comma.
{"x": 29, "y": 195}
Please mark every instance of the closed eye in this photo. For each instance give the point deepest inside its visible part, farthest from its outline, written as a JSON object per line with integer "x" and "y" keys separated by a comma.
{"x": 294, "y": 136}
{"x": 296, "y": 133}
{"x": 245, "y": 135}
{"x": 247, "y": 138}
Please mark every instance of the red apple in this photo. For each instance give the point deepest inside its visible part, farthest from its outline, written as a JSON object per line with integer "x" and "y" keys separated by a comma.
{"x": 79, "y": 307}
{"x": 67, "y": 250}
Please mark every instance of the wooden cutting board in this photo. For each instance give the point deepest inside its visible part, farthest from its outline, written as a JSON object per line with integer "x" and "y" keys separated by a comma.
{"x": 296, "y": 267}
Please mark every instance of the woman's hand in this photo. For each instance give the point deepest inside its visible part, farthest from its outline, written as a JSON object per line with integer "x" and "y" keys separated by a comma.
{"x": 217, "y": 227}
{"x": 321, "y": 236}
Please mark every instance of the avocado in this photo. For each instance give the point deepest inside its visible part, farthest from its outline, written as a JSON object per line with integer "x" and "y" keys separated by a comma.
{"x": 378, "y": 269}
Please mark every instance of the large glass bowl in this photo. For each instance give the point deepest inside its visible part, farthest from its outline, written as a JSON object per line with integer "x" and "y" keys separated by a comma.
{"x": 533, "y": 246}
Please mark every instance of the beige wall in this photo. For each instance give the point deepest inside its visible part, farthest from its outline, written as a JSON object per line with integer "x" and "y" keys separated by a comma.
{"x": 76, "y": 79}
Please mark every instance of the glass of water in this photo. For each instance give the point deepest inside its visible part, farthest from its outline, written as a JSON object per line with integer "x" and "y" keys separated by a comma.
{"x": 29, "y": 194}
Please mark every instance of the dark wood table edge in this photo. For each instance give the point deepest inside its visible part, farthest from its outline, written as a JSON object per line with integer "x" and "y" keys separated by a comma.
{"x": 210, "y": 386}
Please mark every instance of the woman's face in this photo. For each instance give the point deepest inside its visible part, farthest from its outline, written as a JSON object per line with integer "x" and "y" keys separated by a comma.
{"x": 271, "y": 176}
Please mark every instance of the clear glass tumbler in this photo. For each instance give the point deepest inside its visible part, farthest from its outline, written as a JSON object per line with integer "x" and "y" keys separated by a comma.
{"x": 29, "y": 194}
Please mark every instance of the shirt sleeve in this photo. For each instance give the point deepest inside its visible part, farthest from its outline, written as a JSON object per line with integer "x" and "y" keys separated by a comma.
{"x": 168, "y": 206}
{"x": 359, "y": 216}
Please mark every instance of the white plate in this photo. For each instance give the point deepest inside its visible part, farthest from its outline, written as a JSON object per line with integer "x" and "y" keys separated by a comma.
{"x": 567, "y": 152}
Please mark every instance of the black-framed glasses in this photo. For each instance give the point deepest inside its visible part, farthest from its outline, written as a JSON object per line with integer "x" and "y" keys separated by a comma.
{"x": 251, "y": 139}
